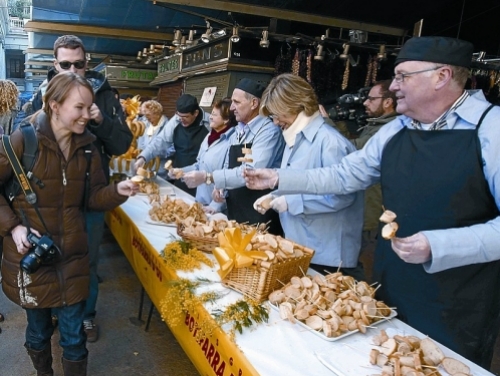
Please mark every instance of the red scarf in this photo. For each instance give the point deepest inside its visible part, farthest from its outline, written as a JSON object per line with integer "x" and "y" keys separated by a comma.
{"x": 214, "y": 135}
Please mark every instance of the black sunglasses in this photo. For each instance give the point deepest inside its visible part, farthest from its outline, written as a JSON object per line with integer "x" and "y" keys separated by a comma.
{"x": 79, "y": 64}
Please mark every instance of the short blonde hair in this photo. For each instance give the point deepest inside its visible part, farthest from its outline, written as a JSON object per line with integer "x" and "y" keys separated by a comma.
{"x": 288, "y": 94}
{"x": 153, "y": 106}
{"x": 8, "y": 96}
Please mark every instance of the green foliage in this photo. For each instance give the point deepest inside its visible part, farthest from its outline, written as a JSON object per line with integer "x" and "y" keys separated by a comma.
{"x": 16, "y": 7}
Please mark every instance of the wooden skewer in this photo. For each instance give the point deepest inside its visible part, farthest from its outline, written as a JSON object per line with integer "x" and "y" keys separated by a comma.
{"x": 338, "y": 269}
{"x": 302, "y": 271}
{"x": 376, "y": 288}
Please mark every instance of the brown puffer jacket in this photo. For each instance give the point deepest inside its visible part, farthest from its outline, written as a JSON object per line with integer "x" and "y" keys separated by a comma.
{"x": 60, "y": 202}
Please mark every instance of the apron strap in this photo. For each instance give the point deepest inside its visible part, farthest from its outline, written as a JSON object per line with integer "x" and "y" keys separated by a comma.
{"x": 484, "y": 115}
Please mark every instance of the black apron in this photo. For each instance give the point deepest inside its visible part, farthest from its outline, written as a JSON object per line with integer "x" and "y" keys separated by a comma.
{"x": 435, "y": 180}
{"x": 187, "y": 142}
{"x": 240, "y": 200}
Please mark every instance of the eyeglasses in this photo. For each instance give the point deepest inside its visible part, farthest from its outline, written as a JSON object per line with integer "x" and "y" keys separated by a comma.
{"x": 371, "y": 99}
{"x": 79, "y": 64}
{"x": 400, "y": 77}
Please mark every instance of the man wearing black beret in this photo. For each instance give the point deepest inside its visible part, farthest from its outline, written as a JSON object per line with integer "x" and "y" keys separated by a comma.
{"x": 259, "y": 134}
{"x": 438, "y": 165}
{"x": 184, "y": 133}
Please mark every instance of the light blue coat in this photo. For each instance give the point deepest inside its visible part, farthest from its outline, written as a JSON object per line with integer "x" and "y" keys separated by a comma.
{"x": 211, "y": 158}
{"x": 329, "y": 224}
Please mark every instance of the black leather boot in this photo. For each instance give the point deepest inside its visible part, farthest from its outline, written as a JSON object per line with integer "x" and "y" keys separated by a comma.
{"x": 42, "y": 360}
{"x": 75, "y": 367}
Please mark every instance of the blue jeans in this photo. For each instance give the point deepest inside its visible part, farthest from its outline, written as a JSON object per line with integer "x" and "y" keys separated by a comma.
{"x": 95, "y": 230}
{"x": 72, "y": 336}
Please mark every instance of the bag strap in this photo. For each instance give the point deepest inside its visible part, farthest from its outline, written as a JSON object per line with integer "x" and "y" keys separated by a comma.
{"x": 22, "y": 178}
{"x": 30, "y": 147}
{"x": 88, "y": 157}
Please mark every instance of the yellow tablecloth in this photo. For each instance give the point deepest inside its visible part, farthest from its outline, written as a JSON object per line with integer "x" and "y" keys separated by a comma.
{"x": 276, "y": 348}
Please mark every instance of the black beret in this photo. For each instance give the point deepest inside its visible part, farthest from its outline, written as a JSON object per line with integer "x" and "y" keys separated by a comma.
{"x": 187, "y": 103}
{"x": 250, "y": 86}
{"x": 437, "y": 50}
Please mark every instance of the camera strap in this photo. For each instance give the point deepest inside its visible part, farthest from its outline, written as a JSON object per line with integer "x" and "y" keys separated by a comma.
{"x": 21, "y": 177}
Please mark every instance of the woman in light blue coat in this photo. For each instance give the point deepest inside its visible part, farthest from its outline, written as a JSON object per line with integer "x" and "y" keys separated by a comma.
{"x": 329, "y": 224}
{"x": 213, "y": 151}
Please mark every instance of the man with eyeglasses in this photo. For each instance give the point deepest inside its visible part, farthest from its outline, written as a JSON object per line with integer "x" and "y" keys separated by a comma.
{"x": 438, "y": 164}
{"x": 183, "y": 134}
{"x": 113, "y": 137}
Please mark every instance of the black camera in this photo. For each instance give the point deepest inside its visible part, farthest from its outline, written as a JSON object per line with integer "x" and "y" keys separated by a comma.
{"x": 350, "y": 107}
{"x": 44, "y": 252}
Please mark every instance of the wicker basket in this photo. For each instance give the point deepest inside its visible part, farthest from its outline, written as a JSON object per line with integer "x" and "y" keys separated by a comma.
{"x": 258, "y": 282}
{"x": 201, "y": 243}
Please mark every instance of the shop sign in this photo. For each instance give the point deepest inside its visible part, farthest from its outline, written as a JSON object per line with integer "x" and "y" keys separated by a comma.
{"x": 170, "y": 64}
{"x": 130, "y": 74}
{"x": 205, "y": 54}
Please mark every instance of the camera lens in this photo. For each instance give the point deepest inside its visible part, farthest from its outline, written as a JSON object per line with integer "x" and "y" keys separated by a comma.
{"x": 30, "y": 263}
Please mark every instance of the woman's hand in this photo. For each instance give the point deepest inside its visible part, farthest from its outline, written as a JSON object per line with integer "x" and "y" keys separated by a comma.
{"x": 261, "y": 178}
{"x": 194, "y": 178}
{"x": 20, "y": 238}
{"x": 209, "y": 210}
{"x": 218, "y": 195}
{"x": 127, "y": 188}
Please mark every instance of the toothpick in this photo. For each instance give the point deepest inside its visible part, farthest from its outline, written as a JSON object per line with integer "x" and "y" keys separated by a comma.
{"x": 376, "y": 288}
{"x": 280, "y": 282}
{"x": 302, "y": 271}
{"x": 338, "y": 269}
{"x": 379, "y": 317}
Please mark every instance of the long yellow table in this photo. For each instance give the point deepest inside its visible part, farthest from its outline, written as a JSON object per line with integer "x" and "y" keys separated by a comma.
{"x": 276, "y": 348}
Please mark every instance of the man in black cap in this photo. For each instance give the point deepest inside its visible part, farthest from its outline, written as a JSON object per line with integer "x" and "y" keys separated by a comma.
{"x": 259, "y": 134}
{"x": 185, "y": 139}
{"x": 438, "y": 164}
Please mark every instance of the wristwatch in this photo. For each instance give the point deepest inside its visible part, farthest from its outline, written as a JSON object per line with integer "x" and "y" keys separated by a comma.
{"x": 208, "y": 178}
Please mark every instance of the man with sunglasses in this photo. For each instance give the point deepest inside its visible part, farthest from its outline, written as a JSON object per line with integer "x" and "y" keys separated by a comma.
{"x": 438, "y": 164}
{"x": 113, "y": 137}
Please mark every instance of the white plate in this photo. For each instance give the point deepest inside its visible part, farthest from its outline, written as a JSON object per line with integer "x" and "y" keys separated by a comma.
{"x": 333, "y": 339}
{"x": 164, "y": 224}
{"x": 352, "y": 358}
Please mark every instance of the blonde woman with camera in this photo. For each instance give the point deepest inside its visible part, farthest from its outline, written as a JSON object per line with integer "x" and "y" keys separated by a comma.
{"x": 59, "y": 179}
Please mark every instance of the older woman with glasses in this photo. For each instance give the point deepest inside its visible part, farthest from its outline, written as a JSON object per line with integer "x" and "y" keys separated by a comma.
{"x": 211, "y": 156}
{"x": 329, "y": 224}
{"x": 156, "y": 121}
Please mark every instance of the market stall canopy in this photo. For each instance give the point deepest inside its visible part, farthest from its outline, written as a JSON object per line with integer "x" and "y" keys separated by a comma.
{"x": 123, "y": 27}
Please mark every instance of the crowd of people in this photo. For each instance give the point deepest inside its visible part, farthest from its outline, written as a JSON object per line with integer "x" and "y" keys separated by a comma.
{"x": 267, "y": 154}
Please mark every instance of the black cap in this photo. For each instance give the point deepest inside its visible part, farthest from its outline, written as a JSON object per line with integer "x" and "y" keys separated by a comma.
{"x": 251, "y": 87}
{"x": 437, "y": 50}
{"x": 187, "y": 103}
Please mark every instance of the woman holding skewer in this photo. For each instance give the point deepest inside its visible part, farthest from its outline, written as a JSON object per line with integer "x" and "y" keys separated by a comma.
{"x": 329, "y": 224}
{"x": 210, "y": 157}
